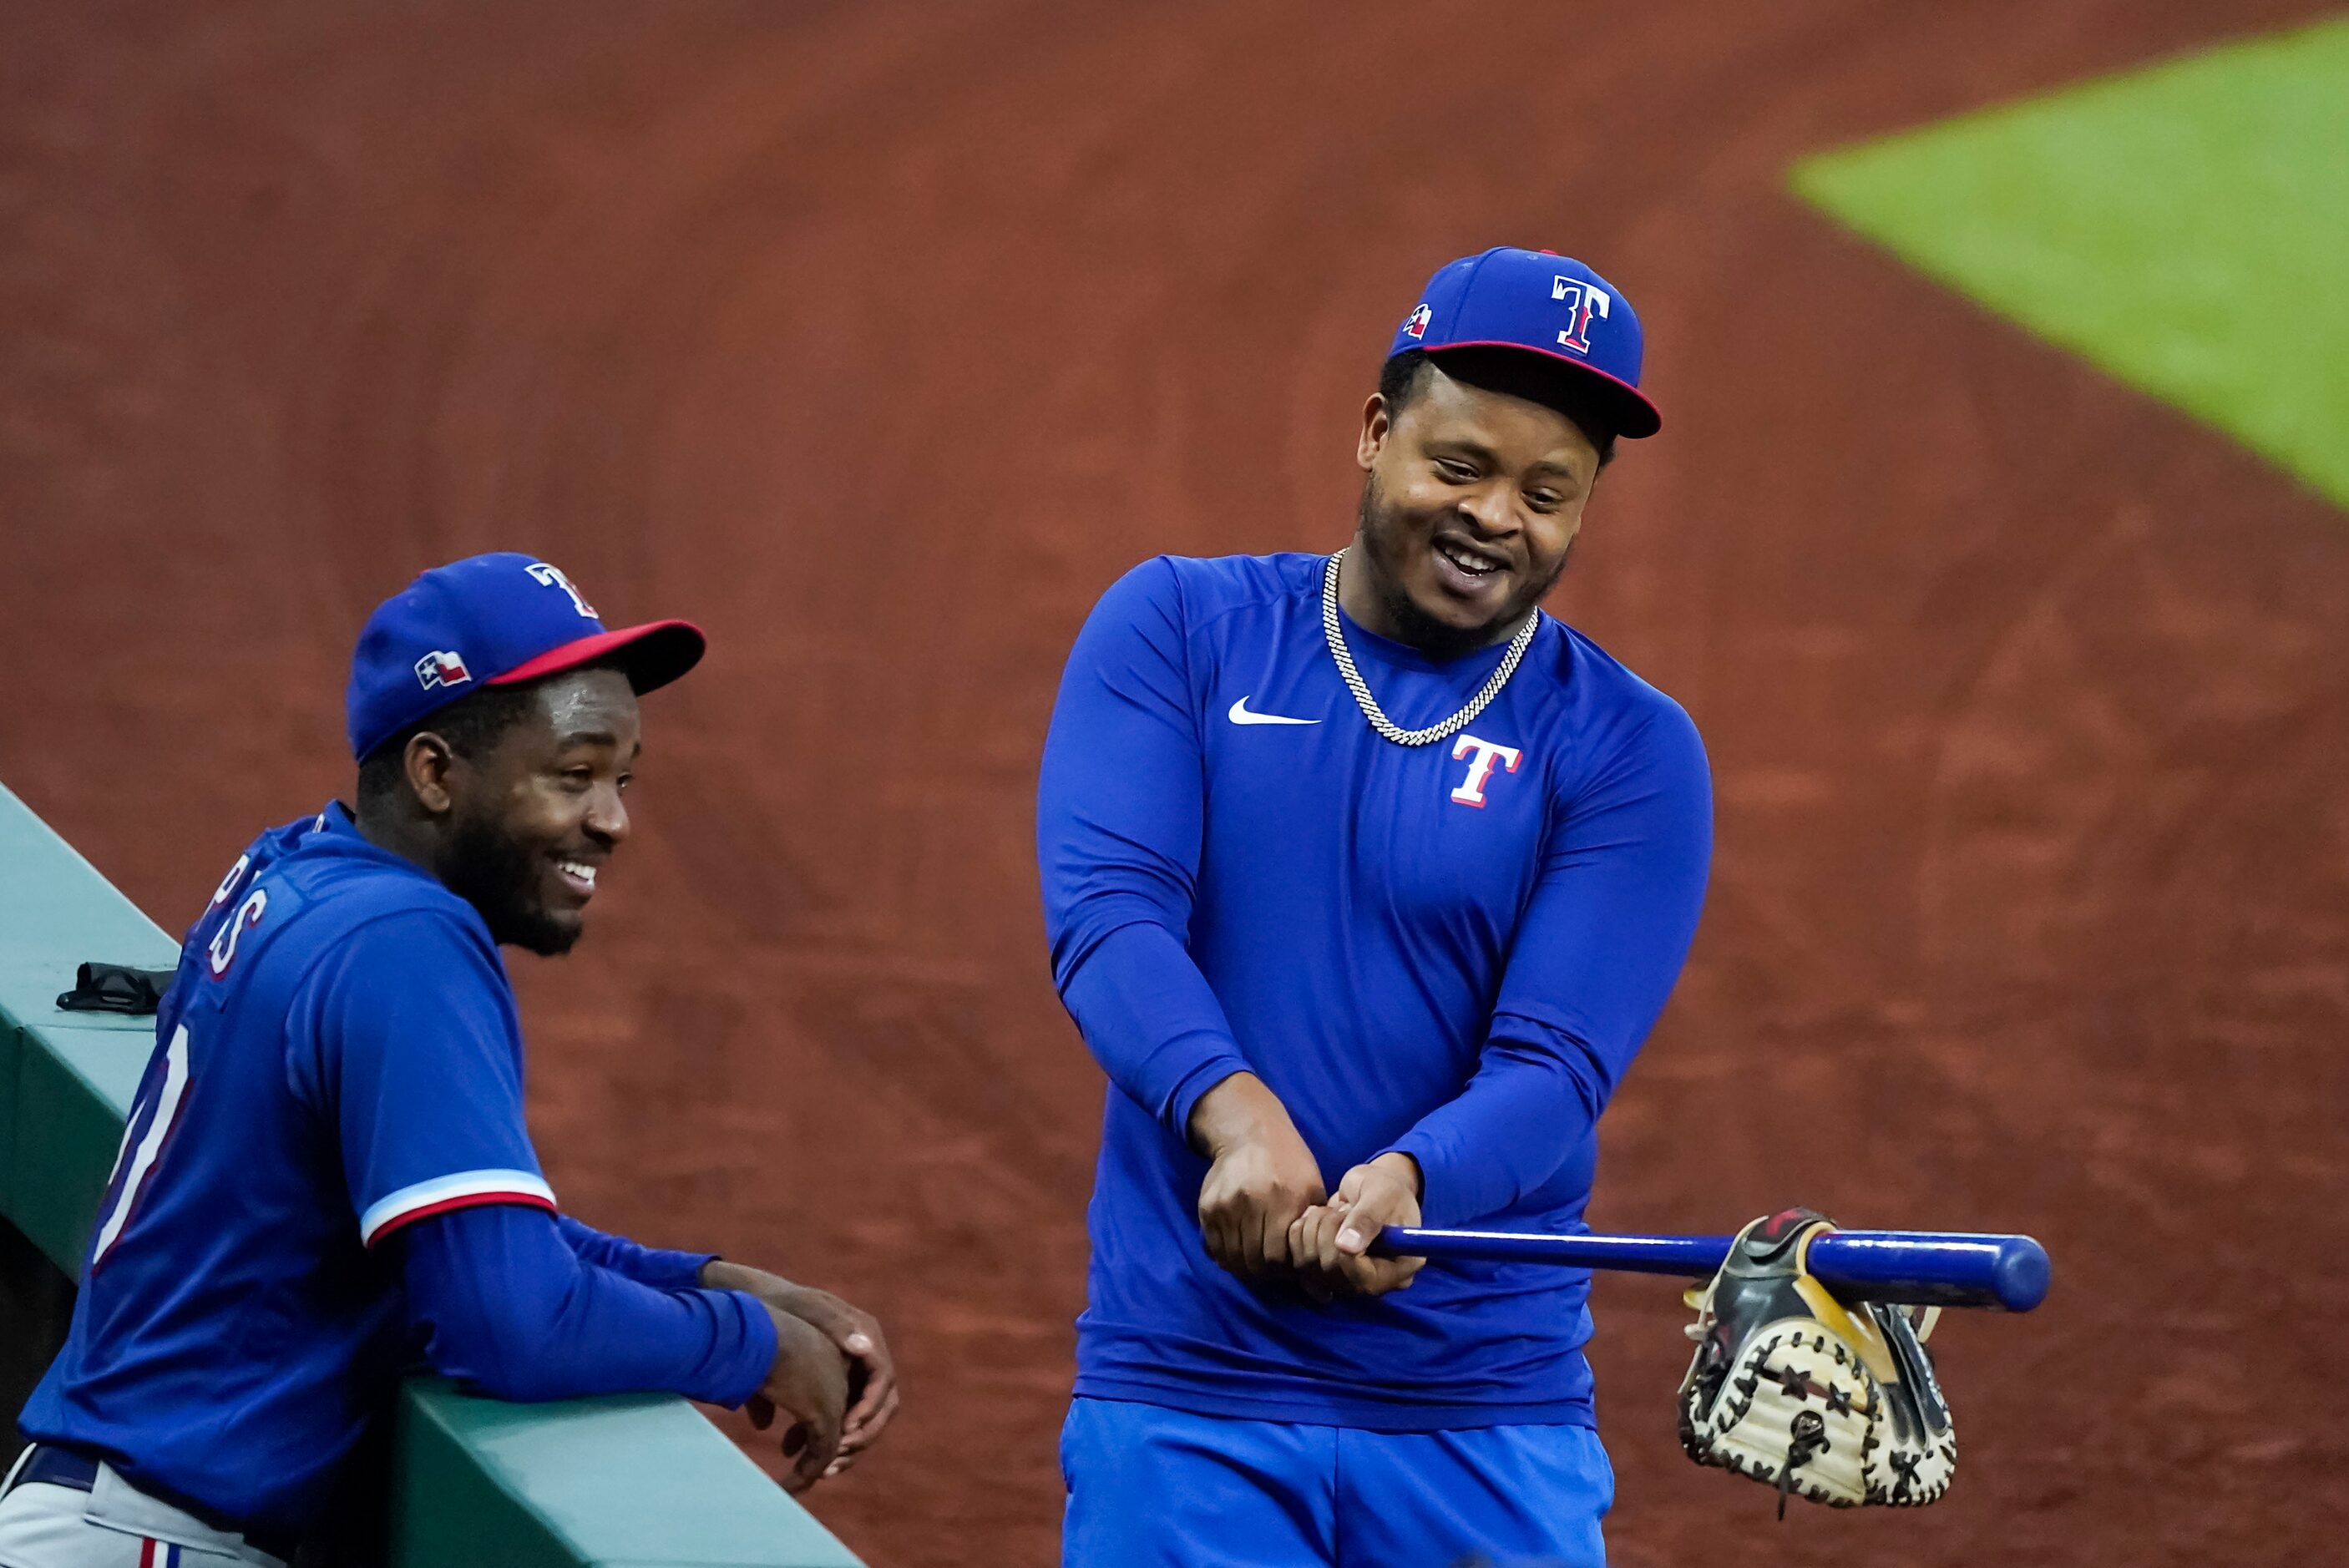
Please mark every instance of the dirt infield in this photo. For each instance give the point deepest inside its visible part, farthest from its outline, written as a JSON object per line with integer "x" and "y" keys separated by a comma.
{"x": 881, "y": 346}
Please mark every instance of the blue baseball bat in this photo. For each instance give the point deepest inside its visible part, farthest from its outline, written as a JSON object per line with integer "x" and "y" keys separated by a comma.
{"x": 1938, "y": 1268}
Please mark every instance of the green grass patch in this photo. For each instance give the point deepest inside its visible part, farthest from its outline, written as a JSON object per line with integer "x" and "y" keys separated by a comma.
{"x": 2185, "y": 227}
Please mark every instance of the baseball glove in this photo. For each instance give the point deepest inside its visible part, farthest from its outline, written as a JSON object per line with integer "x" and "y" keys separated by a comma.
{"x": 1794, "y": 1389}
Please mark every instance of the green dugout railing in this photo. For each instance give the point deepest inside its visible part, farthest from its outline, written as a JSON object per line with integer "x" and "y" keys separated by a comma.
{"x": 625, "y": 1482}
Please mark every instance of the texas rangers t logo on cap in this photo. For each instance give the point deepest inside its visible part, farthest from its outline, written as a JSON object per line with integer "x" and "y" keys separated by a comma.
{"x": 1583, "y": 299}
{"x": 1415, "y": 324}
{"x": 553, "y": 577}
{"x": 442, "y": 669}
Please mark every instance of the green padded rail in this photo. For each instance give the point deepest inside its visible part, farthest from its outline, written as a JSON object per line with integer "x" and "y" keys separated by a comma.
{"x": 638, "y": 1481}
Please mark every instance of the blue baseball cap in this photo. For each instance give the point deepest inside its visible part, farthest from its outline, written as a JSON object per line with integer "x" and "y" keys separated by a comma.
{"x": 1541, "y": 302}
{"x": 491, "y": 620}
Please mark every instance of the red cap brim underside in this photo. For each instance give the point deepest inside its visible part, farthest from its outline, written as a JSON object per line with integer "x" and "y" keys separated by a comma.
{"x": 652, "y": 655}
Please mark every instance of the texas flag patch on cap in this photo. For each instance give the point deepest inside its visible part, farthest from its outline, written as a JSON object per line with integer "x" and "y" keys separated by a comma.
{"x": 441, "y": 669}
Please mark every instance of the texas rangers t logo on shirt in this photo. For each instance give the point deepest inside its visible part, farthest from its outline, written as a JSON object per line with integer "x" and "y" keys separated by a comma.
{"x": 1584, "y": 300}
{"x": 445, "y": 668}
{"x": 1484, "y": 757}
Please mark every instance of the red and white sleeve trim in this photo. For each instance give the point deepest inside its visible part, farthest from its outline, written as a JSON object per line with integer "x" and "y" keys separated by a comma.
{"x": 465, "y": 1189}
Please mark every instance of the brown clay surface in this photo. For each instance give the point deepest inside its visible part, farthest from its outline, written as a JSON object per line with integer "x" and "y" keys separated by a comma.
{"x": 880, "y": 341}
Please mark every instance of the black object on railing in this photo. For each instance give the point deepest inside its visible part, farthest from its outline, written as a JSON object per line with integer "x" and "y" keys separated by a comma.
{"x": 116, "y": 988}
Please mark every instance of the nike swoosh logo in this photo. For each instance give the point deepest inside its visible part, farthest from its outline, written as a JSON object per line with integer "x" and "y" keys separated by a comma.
{"x": 1240, "y": 715}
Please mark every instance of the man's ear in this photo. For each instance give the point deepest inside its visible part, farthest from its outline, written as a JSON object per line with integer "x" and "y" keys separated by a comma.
{"x": 428, "y": 762}
{"x": 1377, "y": 423}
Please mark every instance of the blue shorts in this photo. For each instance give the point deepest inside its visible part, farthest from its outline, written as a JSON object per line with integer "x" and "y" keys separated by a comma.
{"x": 1154, "y": 1488}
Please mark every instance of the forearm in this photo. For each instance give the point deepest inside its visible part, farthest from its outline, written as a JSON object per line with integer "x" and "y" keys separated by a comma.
{"x": 1528, "y": 1107}
{"x": 654, "y": 1267}
{"x": 1151, "y": 1020}
{"x": 505, "y": 1306}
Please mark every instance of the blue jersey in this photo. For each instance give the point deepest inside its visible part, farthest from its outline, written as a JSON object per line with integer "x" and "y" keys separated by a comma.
{"x": 1453, "y": 950}
{"x": 338, "y": 1057}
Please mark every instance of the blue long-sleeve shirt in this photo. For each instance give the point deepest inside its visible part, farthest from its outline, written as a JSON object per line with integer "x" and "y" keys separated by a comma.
{"x": 1452, "y": 950}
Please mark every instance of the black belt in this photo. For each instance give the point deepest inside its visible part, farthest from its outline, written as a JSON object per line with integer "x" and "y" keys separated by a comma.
{"x": 53, "y": 1466}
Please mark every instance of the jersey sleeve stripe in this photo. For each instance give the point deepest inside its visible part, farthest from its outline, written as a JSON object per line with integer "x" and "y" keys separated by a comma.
{"x": 465, "y": 1189}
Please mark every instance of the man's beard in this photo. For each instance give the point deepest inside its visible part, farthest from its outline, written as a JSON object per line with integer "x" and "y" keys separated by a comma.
{"x": 490, "y": 871}
{"x": 1386, "y": 536}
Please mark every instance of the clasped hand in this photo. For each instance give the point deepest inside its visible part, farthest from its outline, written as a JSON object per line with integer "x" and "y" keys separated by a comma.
{"x": 1264, "y": 1211}
{"x": 834, "y": 1377}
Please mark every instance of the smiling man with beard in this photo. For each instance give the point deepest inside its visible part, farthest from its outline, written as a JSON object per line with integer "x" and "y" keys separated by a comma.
{"x": 1364, "y": 881}
{"x": 326, "y": 1179}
